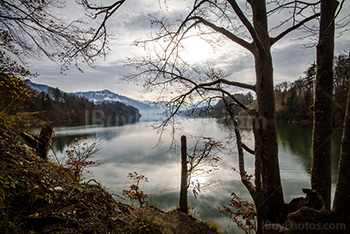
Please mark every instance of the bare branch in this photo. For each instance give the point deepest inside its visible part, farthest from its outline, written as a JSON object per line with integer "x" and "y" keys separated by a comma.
{"x": 35, "y": 28}
{"x": 249, "y": 150}
{"x": 239, "y": 103}
{"x": 228, "y": 34}
{"x": 301, "y": 23}
{"x": 243, "y": 174}
{"x": 244, "y": 20}
{"x": 294, "y": 6}
{"x": 223, "y": 81}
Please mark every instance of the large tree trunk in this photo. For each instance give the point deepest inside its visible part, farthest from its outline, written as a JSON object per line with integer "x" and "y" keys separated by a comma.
{"x": 322, "y": 128}
{"x": 266, "y": 147}
{"x": 341, "y": 204}
{"x": 267, "y": 140}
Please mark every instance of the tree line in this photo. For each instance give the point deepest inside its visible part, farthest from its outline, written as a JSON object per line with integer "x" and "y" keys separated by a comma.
{"x": 294, "y": 100}
{"x": 58, "y": 107}
{"x": 63, "y": 107}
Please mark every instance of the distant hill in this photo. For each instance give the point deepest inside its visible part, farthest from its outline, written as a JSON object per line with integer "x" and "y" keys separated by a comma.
{"x": 216, "y": 108}
{"x": 149, "y": 111}
{"x": 108, "y": 96}
{"x": 38, "y": 87}
{"x": 57, "y": 106}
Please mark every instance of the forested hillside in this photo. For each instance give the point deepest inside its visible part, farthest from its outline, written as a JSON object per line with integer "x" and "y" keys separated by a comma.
{"x": 63, "y": 107}
{"x": 57, "y": 107}
{"x": 294, "y": 101}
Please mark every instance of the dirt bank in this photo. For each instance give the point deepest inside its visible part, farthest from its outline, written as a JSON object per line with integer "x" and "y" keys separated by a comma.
{"x": 37, "y": 196}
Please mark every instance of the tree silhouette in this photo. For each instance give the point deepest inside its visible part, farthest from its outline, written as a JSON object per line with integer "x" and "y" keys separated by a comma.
{"x": 35, "y": 28}
{"x": 246, "y": 25}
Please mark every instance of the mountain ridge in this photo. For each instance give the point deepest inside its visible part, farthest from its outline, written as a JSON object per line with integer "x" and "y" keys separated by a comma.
{"x": 104, "y": 95}
{"x": 147, "y": 110}
{"x": 109, "y": 96}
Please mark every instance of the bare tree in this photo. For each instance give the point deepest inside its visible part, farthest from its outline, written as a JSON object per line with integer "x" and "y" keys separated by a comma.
{"x": 201, "y": 160}
{"x": 35, "y": 28}
{"x": 245, "y": 24}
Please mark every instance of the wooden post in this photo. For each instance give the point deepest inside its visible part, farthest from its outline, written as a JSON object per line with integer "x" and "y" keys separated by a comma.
{"x": 45, "y": 141}
{"x": 183, "y": 189}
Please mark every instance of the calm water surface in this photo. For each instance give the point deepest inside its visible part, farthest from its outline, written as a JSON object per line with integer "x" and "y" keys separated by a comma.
{"x": 139, "y": 147}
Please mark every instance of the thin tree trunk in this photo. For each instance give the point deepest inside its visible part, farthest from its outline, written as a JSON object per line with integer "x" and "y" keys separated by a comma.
{"x": 341, "y": 204}
{"x": 256, "y": 193}
{"x": 322, "y": 127}
{"x": 183, "y": 190}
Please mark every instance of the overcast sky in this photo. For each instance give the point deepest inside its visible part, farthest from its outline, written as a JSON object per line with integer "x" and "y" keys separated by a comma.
{"x": 132, "y": 22}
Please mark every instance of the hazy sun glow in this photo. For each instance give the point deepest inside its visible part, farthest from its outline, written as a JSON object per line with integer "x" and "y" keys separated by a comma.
{"x": 196, "y": 50}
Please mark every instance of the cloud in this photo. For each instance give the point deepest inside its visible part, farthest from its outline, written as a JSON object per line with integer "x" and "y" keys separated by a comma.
{"x": 132, "y": 22}
{"x": 291, "y": 60}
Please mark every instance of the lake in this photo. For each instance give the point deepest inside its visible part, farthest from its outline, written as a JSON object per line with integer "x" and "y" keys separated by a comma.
{"x": 141, "y": 148}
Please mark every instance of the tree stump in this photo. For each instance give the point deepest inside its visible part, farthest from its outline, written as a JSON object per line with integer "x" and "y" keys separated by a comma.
{"x": 45, "y": 139}
{"x": 183, "y": 189}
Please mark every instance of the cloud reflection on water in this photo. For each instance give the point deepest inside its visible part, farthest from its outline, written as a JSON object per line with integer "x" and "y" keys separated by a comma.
{"x": 135, "y": 148}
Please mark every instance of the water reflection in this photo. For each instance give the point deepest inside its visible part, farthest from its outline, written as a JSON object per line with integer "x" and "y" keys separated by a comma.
{"x": 136, "y": 147}
{"x": 297, "y": 139}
